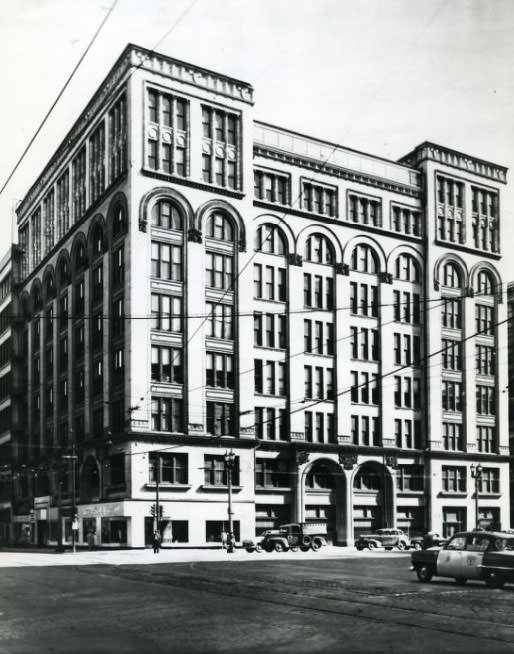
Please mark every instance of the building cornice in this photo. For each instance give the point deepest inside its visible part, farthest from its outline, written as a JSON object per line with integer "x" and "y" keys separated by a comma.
{"x": 431, "y": 152}
{"x": 182, "y": 71}
{"x": 320, "y": 166}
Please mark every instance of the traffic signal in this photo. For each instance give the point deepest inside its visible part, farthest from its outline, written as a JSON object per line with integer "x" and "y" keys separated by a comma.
{"x": 152, "y": 510}
{"x": 160, "y": 511}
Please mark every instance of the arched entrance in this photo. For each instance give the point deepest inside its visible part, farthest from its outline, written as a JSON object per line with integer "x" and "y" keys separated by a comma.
{"x": 90, "y": 481}
{"x": 371, "y": 505}
{"x": 323, "y": 483}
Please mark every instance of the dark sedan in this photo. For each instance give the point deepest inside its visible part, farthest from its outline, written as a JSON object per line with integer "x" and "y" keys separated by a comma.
{"x": 486, "y": 556}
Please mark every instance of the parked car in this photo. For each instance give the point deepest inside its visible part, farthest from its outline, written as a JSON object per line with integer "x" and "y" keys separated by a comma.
{"x": 387, "y": 538}
{"x": 484, "y": 555}
{"x": 293, "y": 536}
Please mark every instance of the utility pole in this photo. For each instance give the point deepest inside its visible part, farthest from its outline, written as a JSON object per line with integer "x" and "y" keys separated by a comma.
{"x": 476, "y": 474}
{"x": 74, "y": 524}
{"x": 157, "y": 471}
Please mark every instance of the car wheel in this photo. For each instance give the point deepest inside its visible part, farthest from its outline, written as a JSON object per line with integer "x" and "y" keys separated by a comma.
{"x": 425, "y": 574}
{"x": 460, "y": 581}
{"x": 249, "y": 550}
{"x": 359, "y": 547}
{"x": 258, "y": 548}
{"x": 401, "y": 545}
{"x": 294, "y": 548}
{"x": 304, "y": 548}
{"x": 278, "y": 547}
{"x": 388, "y": 548}
{"x": 316, "y": 544}
{"x": 371, "y": 546}
{"x": 493, "y": 580}
{"x": 417, "y": 546}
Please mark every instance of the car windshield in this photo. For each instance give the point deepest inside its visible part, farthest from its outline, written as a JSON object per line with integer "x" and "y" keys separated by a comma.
{"x": 501, "y": 544}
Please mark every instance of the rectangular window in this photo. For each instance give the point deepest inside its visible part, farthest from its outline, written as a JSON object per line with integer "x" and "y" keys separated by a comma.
{"x": 166, "y": 312}
{"x": 221, "y": 128}
{"x": 220, "y": 370}
{"x": 363, "y": 210}
{"x": 489, "y": 482}
{"x": 451, "y": 313}
{"x": 220, "y": 419}
{"x": 215, "y": 470}
{"x": 484, "y": 320}
{"x": 452, "y": 437}
{"x": 63, "y": 205}
{"x": 272, "y": 187}
{"x": 454, "y": 479}
{"x": 220, "y": 320}
{"x": 167, "y": 364}
{"x": 118, "y": 139}
{"x": 451, "y": 396}
{"x": 167, "y": 414}
{"x": 97, "y": 163}
{"x": 319, "y": 199}
{"x": 219, "y": 270}
{"x": 486, "y": 439}
{"x": 168, "y": 141}
{"x": 485, "y": 360}
{"x": 451, "y": 354}
{"x": 79, "y": 185}
{"x": 171, "y": 468}
{"x": 486, "y": 400}
{"x": 167, "y": 261}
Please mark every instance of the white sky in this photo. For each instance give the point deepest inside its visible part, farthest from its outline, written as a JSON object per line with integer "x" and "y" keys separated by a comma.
{"x": 380, "y": 76}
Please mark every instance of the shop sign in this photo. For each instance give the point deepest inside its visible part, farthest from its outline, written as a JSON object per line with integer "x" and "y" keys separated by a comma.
{"x": 101, "y": 510}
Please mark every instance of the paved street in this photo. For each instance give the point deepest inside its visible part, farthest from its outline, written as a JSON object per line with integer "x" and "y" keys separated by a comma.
{"x": 212, "y": 602}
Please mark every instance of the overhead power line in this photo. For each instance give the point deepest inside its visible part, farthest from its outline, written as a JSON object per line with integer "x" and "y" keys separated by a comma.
{"x": 59, "y": 95}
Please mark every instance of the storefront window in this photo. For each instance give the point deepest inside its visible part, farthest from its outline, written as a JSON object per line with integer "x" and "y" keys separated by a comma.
{"x": 114, "y": 531}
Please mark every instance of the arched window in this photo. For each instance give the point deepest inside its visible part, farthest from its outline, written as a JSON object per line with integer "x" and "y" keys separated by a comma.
{"x": 318, "y": 249}
{"x": 270, "y": 239}
{"x": 452, "y": 277}
{"x": 166, "y": 215}
{"x": 219, "y": 227}
{"x": 320, "y": 476}
{"x": 485, "y": 284}
{"x": 119, "y": 221}
{"x": 407, "y": 268}
{"x": 49, "y": 287}
{"x": 365, "y": 259}
{"x": 37, "y": 303}
{"x": 64, "y": 273}
{"x": 79, "y": 260}
{"x": 98, "y": 241}
{"x": 368, "y": 479}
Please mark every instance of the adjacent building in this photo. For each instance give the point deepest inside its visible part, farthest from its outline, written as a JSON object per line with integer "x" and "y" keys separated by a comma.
{"x": 194, "y": 281}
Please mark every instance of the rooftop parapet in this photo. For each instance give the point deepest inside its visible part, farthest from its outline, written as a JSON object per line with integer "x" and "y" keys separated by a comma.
{"x": 332, "y": 156}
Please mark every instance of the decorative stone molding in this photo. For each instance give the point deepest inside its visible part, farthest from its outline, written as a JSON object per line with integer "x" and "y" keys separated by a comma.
{"x": 194, "y": 235}
{"x": 391, "y": 461}
{"x": 242, "y": 245}
{"x": 347, "y": 460}
{"x": 455, "y": 159}
{"x": 342, "y": 269}
{"x": 385, "y": 278}
{"x": 295, "y": 259}
{"x": 301, "y": 457}
{"x": 436, "y": 285}
{"x": 470, "y": 291}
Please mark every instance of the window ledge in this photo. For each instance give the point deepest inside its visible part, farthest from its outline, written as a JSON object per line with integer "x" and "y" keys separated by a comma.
{"x": 165, "y": 486}
{"x": 452, "y": 494}
{"x": 413, "y": 493}
{"x": 209, "y": 488}
{"x": 272, "y": 489}
{"x": 488, "y": 496}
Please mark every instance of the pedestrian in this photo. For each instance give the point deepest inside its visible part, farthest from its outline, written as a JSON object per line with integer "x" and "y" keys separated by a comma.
{"x": 230, "y": 543}
{"x": 223, "y": 537}
{"x": 90, "y": 540}
{"x": 156, "y": 542}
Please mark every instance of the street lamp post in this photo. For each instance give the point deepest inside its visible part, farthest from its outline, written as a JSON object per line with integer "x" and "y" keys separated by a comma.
{"x": 229, "y": 465}
{"x": 476, "y": 474}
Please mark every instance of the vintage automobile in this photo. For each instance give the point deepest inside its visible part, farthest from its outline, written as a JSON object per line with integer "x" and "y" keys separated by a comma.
{"x": 419, "y": 542}
{"x": 293, "y": 536}
{"x": 483, "y": 555}
{"x": 387, "y": 538}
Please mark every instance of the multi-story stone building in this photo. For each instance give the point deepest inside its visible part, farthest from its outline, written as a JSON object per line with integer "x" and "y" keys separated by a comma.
{"x": 195, "y": 281}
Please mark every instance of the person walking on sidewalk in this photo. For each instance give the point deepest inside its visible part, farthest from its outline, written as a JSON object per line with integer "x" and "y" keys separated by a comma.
{"x": 156, "y": 541}
{"x": 223, "y": 537}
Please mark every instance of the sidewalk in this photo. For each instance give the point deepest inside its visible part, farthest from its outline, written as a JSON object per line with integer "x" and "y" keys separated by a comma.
{"x": 17, "y": 558}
